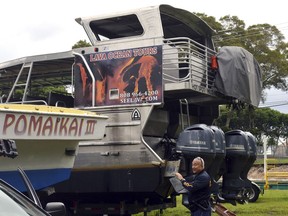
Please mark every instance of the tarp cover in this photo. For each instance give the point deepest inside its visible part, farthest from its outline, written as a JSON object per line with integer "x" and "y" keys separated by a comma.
{"x": 239, "y": 75}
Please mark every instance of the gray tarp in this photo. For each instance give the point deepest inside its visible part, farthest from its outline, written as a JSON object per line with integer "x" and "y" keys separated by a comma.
{"x": 239, "y": 75}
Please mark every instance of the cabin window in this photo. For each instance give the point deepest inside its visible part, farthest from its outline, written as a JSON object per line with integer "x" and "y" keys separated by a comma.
{"x": 116, "y": 27}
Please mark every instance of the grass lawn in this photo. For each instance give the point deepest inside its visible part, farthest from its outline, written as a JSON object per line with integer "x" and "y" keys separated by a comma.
{"x": 273, "y": 202}
{"x": 260, "y": 161}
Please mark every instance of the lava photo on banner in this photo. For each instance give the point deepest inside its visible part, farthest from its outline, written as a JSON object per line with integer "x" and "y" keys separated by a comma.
{"x": 119, "y": 77}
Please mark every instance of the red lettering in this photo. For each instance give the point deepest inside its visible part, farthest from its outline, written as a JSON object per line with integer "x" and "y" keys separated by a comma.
{"x": 21, "y": 121}
{"x": 73, "y": 127}
{"x": 9, "y": 119}
{"x": 40, "y": 126}
{"x": 34, "y": 124}
{"x": 56, "y": 125}
{"x": 48, "y": 125}
{"x": 90, "y": 126}
{"x": 80, "y": 127}
{"x": 63, "y": 126}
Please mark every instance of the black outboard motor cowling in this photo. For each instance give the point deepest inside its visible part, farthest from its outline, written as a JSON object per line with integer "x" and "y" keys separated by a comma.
{"x": 237, "y": 155}
{"x": 196, "y": 141}
{"x": 252, "y": 144}
{"x": 214, "y": 169}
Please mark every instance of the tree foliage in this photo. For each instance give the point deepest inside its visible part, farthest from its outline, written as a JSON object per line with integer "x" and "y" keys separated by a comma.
{"x": 44, "y": 91}
{"x": 80, "y": 44}
{"x": 263, "y": 123}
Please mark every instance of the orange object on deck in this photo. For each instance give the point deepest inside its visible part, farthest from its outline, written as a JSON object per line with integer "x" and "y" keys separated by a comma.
{"x": 214, "y": 64}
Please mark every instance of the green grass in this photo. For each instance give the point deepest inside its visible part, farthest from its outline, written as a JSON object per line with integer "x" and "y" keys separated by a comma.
{"x": 273, "y": 202}
{"x": 260, "y": 161}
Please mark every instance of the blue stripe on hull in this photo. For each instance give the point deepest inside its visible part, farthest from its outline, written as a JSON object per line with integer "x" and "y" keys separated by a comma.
{"x": 39, "y": 178}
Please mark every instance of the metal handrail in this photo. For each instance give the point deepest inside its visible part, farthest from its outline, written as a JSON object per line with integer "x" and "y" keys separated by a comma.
{"x": 185, "y": 60}
{"x": 29, "y": 102}
{"x": 91, "y": 75}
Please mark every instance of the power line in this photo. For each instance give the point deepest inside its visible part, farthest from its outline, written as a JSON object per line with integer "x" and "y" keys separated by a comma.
{"x": 273, "y": 105}
{"x": 238, "y": 36}
{"x": 223, "y": 32}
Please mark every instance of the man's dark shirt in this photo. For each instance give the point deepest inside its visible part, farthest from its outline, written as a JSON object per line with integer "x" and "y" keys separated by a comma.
{"x": 198, "y": 186}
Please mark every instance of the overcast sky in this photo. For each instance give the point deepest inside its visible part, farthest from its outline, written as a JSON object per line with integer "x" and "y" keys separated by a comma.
{"x": 31, "y": 27}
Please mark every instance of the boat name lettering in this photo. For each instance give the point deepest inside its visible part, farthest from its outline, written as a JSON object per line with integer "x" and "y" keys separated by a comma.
{"x": 47, "y": 126}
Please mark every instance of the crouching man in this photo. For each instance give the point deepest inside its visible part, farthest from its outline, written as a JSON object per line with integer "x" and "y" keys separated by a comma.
{"x": 198, "y": 184}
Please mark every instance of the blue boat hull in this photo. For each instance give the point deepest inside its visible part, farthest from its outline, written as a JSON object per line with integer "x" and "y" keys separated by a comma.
{"x": 39, "y": 178}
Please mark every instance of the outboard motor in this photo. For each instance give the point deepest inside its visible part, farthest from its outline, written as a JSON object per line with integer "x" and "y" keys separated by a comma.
{"x": 237, "y": 155}
{"x": 252, "y": 144}
{"x": 214, "y": 169}
{"x": 196, "y": 140}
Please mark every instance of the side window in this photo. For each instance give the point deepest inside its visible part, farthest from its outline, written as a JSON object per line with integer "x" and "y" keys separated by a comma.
{"x": 116, "y": 27}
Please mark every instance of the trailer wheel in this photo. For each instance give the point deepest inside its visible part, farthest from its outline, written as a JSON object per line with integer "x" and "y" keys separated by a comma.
{"x": 253, "y": 193}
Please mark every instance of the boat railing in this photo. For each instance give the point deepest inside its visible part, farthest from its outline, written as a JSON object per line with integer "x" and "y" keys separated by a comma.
{"x": 185, "y": 60}
{"x": 91, "y": 75}
{"x": 38, "y": 102}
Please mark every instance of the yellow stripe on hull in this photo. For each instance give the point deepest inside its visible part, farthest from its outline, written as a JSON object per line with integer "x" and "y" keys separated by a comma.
{"x": 47, "y": 109}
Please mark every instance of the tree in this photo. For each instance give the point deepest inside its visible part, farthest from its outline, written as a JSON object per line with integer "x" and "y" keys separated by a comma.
{"x": 80, "y": 44}
{"x": 261, "y": 122}
{"x": 267, "y": 45}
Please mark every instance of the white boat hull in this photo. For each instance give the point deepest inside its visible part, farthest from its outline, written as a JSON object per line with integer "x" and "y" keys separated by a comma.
{"x": 46, "y": 141}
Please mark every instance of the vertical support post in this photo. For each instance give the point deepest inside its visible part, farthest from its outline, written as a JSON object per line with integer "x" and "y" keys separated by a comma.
{"x": 266, "y": 186}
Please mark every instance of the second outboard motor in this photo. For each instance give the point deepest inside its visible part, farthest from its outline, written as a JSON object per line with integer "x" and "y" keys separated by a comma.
{"x": 220, "y": 150}
{"x": 196, "y": 140}
{"x": 237, "y": 154}
{"x": 252, "y": 144}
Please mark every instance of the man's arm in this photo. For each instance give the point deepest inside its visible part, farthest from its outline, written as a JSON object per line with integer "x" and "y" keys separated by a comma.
{"x": 200, "y": 181}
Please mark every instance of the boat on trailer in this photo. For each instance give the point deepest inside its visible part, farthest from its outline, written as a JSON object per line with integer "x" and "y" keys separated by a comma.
{"x": 43, "y": 140}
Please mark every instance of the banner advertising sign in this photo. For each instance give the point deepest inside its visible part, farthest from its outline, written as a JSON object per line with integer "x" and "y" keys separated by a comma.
{"x": 121, "y": 77}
